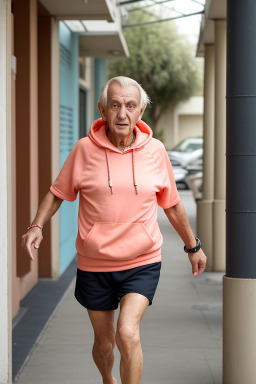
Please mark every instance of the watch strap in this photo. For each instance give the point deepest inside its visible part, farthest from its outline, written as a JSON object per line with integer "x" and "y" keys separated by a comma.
{"x": 195, "y": 249}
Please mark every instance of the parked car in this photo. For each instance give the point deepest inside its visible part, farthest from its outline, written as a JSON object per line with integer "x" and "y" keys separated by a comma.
{"x": 186, "y": 159}
{"x": 195, "y": 183}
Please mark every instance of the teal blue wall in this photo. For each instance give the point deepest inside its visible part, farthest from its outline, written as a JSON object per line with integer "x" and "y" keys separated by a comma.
{"x": 69, "y": 131}
{"x": 100, "y": 74}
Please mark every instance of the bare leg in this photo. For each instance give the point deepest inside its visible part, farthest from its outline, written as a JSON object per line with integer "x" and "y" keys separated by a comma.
{"x": 104, "y": 342}
{"x": 132, "y": 309}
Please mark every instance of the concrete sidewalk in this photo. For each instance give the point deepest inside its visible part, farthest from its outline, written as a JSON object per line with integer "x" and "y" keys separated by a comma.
{"x": 180, "y": 333}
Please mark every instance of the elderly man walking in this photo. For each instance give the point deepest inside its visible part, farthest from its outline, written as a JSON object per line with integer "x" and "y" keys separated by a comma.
{"x": 122, "y": 173}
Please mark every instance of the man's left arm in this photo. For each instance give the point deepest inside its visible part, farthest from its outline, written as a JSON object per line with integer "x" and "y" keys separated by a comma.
{"x": 179, "y": 220}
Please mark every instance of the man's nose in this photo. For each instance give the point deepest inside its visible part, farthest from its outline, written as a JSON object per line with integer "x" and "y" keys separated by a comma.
{"x": 122, "y": 112}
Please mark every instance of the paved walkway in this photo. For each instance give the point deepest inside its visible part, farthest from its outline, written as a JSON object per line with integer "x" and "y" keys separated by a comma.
{"x": 180, "y": 333}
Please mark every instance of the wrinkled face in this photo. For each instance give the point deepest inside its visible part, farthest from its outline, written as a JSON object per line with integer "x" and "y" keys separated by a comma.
{"x": 122, "y": 111}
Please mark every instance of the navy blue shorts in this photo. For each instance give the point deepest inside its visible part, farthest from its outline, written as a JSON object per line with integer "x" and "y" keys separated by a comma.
{"x": 102, "y": 291}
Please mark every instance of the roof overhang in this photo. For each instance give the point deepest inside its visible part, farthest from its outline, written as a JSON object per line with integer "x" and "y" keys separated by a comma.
{"x": 81, "y": 9}
{"x": 109, "y": 45}
{"x": 214, "y": 10}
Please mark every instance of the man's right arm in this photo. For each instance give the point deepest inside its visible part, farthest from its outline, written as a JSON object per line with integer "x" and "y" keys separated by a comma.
{"x": 49, "y": 205}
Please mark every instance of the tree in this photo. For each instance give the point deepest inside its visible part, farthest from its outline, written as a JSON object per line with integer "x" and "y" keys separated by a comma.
{"x": 162, "y": 62}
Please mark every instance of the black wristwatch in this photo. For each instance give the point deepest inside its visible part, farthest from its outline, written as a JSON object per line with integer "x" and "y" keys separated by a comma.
{"x": 195, "y": 249}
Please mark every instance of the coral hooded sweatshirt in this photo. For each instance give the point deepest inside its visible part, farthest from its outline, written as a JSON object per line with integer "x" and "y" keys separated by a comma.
{"x": 119, "y": 192}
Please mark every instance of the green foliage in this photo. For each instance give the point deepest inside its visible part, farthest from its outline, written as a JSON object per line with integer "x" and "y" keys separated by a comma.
{"x": 161, "y": 61}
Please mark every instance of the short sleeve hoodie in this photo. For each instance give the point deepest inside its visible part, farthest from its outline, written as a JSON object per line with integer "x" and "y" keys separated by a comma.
{"x": 118, "y": 197}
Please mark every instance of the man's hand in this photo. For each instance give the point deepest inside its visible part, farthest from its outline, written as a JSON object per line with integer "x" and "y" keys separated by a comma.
{"x": 30, "y": 240}
{"x": 198, "y": 261}
{"x": 179, "y": 220}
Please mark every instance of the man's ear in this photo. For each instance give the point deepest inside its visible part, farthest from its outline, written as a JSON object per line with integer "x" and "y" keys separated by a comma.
{"x": 142, "y": 111}
{"x": 102, "y": 111}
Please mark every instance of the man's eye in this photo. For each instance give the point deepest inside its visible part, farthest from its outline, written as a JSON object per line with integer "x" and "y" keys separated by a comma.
{"x": 114, "y": 105}
{"x": 130, "y": 106}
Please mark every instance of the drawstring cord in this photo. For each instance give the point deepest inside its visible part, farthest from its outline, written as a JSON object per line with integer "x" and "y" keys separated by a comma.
{"x": 133, "y": 172}
{"x": 109, "y": 177}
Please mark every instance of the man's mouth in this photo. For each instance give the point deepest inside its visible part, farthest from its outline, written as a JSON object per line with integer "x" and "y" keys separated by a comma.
{"x": 121, "y": 124}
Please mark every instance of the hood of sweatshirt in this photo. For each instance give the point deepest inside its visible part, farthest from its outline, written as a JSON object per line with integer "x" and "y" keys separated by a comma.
{"x": 98, "y": 135}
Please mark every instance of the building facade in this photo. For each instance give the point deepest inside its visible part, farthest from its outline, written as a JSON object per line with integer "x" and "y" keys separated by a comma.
{"x": 51, "y": 76}
{"x": 182, "y": 121}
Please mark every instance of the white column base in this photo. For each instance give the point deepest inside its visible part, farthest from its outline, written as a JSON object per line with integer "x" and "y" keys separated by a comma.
{"x": 204, "y": 229}
{"x": 239, "y": 331}
{"x": 219, "y": 236}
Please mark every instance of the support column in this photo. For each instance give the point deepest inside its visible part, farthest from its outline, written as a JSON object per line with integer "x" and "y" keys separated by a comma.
{"x": 25, "y": 50}
{"x": 204, "y": 207}
{"x": 239, "y": 288}
{"x": 48, "y": 132}
{"x": 219, "y": 236}
{"x": 6, "y": 195}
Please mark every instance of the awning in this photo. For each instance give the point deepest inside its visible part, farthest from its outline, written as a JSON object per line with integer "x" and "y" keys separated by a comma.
{"x": 214, "y": 10}
{"x": 108, "y": 45}
{"x": 99, "y": 38}
{"x": 81, "y": 9}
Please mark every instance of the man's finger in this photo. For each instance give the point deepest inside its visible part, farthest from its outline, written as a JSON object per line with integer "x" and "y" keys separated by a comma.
{"x": 202, "y": 266}
{"x": 201, "y": 269}
{"x": 195, "y": 269}
{"x": 29, "y": 251}
{"x": 37, "y": 242}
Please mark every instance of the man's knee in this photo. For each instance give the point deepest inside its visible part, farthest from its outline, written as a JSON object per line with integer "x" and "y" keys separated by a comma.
{"x": 127, "y": 338}
{"x": 103, "y": 346}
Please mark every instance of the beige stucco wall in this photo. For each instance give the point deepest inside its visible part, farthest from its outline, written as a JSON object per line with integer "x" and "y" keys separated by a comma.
{"x": 190, "y": 125}
{"x": 183, "y": 120}
{"x": 166, "y": 123}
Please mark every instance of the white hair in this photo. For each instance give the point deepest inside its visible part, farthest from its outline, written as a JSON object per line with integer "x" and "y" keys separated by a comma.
{"x": 124, "y": 82}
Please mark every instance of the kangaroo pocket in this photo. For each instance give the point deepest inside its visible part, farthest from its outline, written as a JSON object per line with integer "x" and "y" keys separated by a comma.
{"x": 111, "y": 241}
